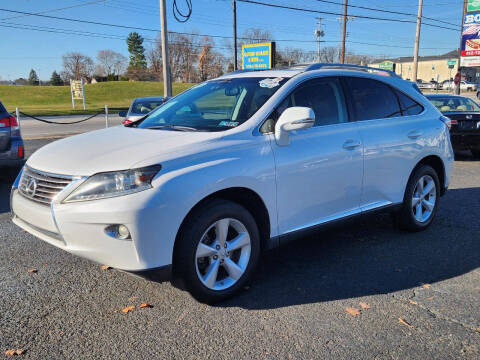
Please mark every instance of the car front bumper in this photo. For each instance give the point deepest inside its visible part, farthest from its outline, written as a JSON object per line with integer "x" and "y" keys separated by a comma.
{"x": 79, "y": 228}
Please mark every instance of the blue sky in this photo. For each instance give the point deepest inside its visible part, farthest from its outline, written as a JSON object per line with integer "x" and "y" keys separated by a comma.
{"x": 21, "y": 50}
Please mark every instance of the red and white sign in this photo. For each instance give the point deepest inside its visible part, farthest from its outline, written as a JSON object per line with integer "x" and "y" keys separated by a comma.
{"x": 457, "y": 78}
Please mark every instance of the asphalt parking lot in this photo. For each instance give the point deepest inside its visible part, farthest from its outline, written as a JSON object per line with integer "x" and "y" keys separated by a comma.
{"x": 420, "y": 294}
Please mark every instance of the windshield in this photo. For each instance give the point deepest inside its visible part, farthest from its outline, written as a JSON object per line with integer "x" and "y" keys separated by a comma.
{"x": 145, "y": 106}
{"x": 214, "y": 105}
{"x": 456, "y": 104}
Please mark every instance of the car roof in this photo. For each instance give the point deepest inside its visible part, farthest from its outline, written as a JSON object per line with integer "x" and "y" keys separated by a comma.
{"x": 284, "y": 73}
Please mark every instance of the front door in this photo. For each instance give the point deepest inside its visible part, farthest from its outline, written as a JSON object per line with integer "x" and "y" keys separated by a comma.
{"x": 319, "y": 174}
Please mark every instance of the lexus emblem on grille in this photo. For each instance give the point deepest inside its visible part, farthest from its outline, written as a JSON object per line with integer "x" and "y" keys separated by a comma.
{"x": 468, "y": 117}
{"x": 31, "y": 188}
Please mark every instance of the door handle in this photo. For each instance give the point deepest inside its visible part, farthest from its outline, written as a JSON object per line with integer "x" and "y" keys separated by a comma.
{"x": 351, "y": 144}
{"x": 414, "y": 134}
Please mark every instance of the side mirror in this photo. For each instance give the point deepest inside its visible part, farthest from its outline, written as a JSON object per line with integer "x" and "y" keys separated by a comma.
{"x": 122, "y": 114}
{"x": 293, "y": 118}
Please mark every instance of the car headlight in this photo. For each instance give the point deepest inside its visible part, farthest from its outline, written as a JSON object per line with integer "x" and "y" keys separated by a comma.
{"x": 115, "y": 183}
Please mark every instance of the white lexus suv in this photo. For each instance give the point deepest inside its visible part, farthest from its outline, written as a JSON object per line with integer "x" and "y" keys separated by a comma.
{"x": 200, "y": 187}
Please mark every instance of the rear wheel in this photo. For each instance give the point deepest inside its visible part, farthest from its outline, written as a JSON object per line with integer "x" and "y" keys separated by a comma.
{"x": 218, "y": 250}
{"x": 420, "y": 201}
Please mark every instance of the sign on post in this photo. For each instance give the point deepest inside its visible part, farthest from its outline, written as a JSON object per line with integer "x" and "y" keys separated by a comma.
{"x": 473, "y": 5}
{"x": 258, "y": 56}
{"x": 387, "y": 65}
{"x": 470, "y": 52}
{"x": 451, "y": 63}
{"x": 78, "y": 92}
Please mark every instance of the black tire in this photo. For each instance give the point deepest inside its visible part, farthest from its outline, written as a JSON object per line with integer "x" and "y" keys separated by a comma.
{"x": 405, "y": 216}
{"x": 184, "y": 263}
{"x": 475, "y": 153}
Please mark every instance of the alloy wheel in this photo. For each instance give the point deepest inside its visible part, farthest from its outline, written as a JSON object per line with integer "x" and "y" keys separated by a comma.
{"x": 424, "y": 198}
{"x": 223, "y": 254}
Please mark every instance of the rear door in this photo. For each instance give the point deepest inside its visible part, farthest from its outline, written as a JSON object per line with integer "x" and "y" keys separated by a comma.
{"x": 4, "y": 129}
{"x": 393, "y": 134}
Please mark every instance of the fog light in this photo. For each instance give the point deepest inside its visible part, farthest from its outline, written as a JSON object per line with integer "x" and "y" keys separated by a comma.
{"x": 120, "y": 232}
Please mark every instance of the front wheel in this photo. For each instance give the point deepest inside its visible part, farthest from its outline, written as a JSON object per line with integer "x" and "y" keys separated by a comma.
{"x": 218, "y": 250}
{"x": 420, "y": 201}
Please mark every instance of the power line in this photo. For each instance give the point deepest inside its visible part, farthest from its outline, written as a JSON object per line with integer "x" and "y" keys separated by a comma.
{"x": 338, "y": 14}
{"x": 385, "y": 11}
{"x": 57, "y": 9}
{"x": 154, "y": 41}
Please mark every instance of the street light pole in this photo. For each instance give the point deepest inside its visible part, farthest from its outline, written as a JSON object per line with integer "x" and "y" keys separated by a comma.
{"x": 235, "y": 65}
{"x": 457, "y": 86}
{"x": 417, "y": 40}
{"x": 345, "y": 9}
{"x": 167, "y": 81}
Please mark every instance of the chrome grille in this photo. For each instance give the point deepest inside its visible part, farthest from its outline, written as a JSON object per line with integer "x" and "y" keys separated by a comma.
{"x": 40, "y": 186}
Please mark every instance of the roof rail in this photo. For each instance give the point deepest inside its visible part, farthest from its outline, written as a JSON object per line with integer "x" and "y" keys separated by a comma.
{"x": 318, "y": 66}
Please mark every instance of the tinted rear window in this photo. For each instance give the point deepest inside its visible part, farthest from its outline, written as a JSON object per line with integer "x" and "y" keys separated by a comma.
{"x": 372, "y": 99}
{"x": 2, "y": 108}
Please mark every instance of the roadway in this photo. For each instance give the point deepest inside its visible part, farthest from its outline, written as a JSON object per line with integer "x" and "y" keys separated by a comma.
{"x": 34, "y": 129}
{"x": 294, "y": 309}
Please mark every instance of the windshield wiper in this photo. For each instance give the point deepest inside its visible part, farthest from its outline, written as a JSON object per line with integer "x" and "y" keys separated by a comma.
{"x": 174, "y": 127}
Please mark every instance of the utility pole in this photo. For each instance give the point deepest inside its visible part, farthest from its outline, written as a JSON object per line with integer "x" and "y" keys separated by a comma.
{"x": 457, "y": 87}
{"x": 167, "y": 81}
{"x": 345, "y": 10}
{"x": 417, "y": 40}
{"x": 235, "y": 66}
{"x": 319, "y": 34}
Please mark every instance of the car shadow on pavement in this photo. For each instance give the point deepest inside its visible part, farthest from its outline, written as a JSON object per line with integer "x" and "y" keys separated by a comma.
{"x": 5, "y": 187}
{"x": 369, "y": 256}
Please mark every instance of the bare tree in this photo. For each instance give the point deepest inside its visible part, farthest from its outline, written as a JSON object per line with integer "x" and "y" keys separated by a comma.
{"x": 210, "y": 63}
{"x": 77, "y": 66}
{"x": 111, "y": 63}
{"x": 328, "y": 54}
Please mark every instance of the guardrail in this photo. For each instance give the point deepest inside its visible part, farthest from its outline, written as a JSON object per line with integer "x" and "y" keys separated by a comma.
{"x": 106, "y": 110}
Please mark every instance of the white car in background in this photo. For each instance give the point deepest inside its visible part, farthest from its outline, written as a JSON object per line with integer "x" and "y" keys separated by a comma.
{"x": 464, "y": 86}
{"x": 141, "y": 107}
{"x": 202, "y": 186}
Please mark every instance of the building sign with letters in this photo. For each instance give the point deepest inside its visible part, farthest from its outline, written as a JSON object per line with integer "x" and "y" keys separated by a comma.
{"x": 258, "y": 56}
{"x": 473, "y": 5}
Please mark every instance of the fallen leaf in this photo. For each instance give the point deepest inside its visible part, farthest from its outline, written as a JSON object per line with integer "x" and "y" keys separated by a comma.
{"x": 128, "y": 309}
{"x": 32, "y": 271}
{"x": 430, "y": 298}
{"x": 353, "y": 311}
{"x": 426, "y": 286}
{"x": 145, "y": 305}
{"x": 105, "y": 267}
{"x": 12, "y": 352}
{"x": 403, "y": 322}
{"x": 364, "y": 306}
{"x": 398, "y": 270}
{"x": 412, "y": 302}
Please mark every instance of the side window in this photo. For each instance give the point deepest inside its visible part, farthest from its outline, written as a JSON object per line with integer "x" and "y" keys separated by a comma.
{"x": 372, "y": 99}
{"x": 409, "y": 106}
{"x": 325, "y": 97}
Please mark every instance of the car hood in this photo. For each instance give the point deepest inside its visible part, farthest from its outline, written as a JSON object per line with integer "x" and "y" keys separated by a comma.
{"x": 116, "y": 148}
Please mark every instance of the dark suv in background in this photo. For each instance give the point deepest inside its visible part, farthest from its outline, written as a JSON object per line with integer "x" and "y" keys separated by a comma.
{"x": 11, "y": 143}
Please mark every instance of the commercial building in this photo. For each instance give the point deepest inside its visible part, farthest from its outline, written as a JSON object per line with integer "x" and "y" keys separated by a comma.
{"x": 429, "y": 67}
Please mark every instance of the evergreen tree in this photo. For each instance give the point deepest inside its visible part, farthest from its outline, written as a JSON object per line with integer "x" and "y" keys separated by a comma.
{"x": 137, "y": 51}
{"x": 33, "y": 78}
{"x": 56, "y": 80}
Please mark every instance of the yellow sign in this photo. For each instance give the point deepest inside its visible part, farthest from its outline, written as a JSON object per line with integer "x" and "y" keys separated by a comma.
{"x": 78, "y": 92}
{"x": 77, "y": 89}
{"x": 258, "y": 56}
